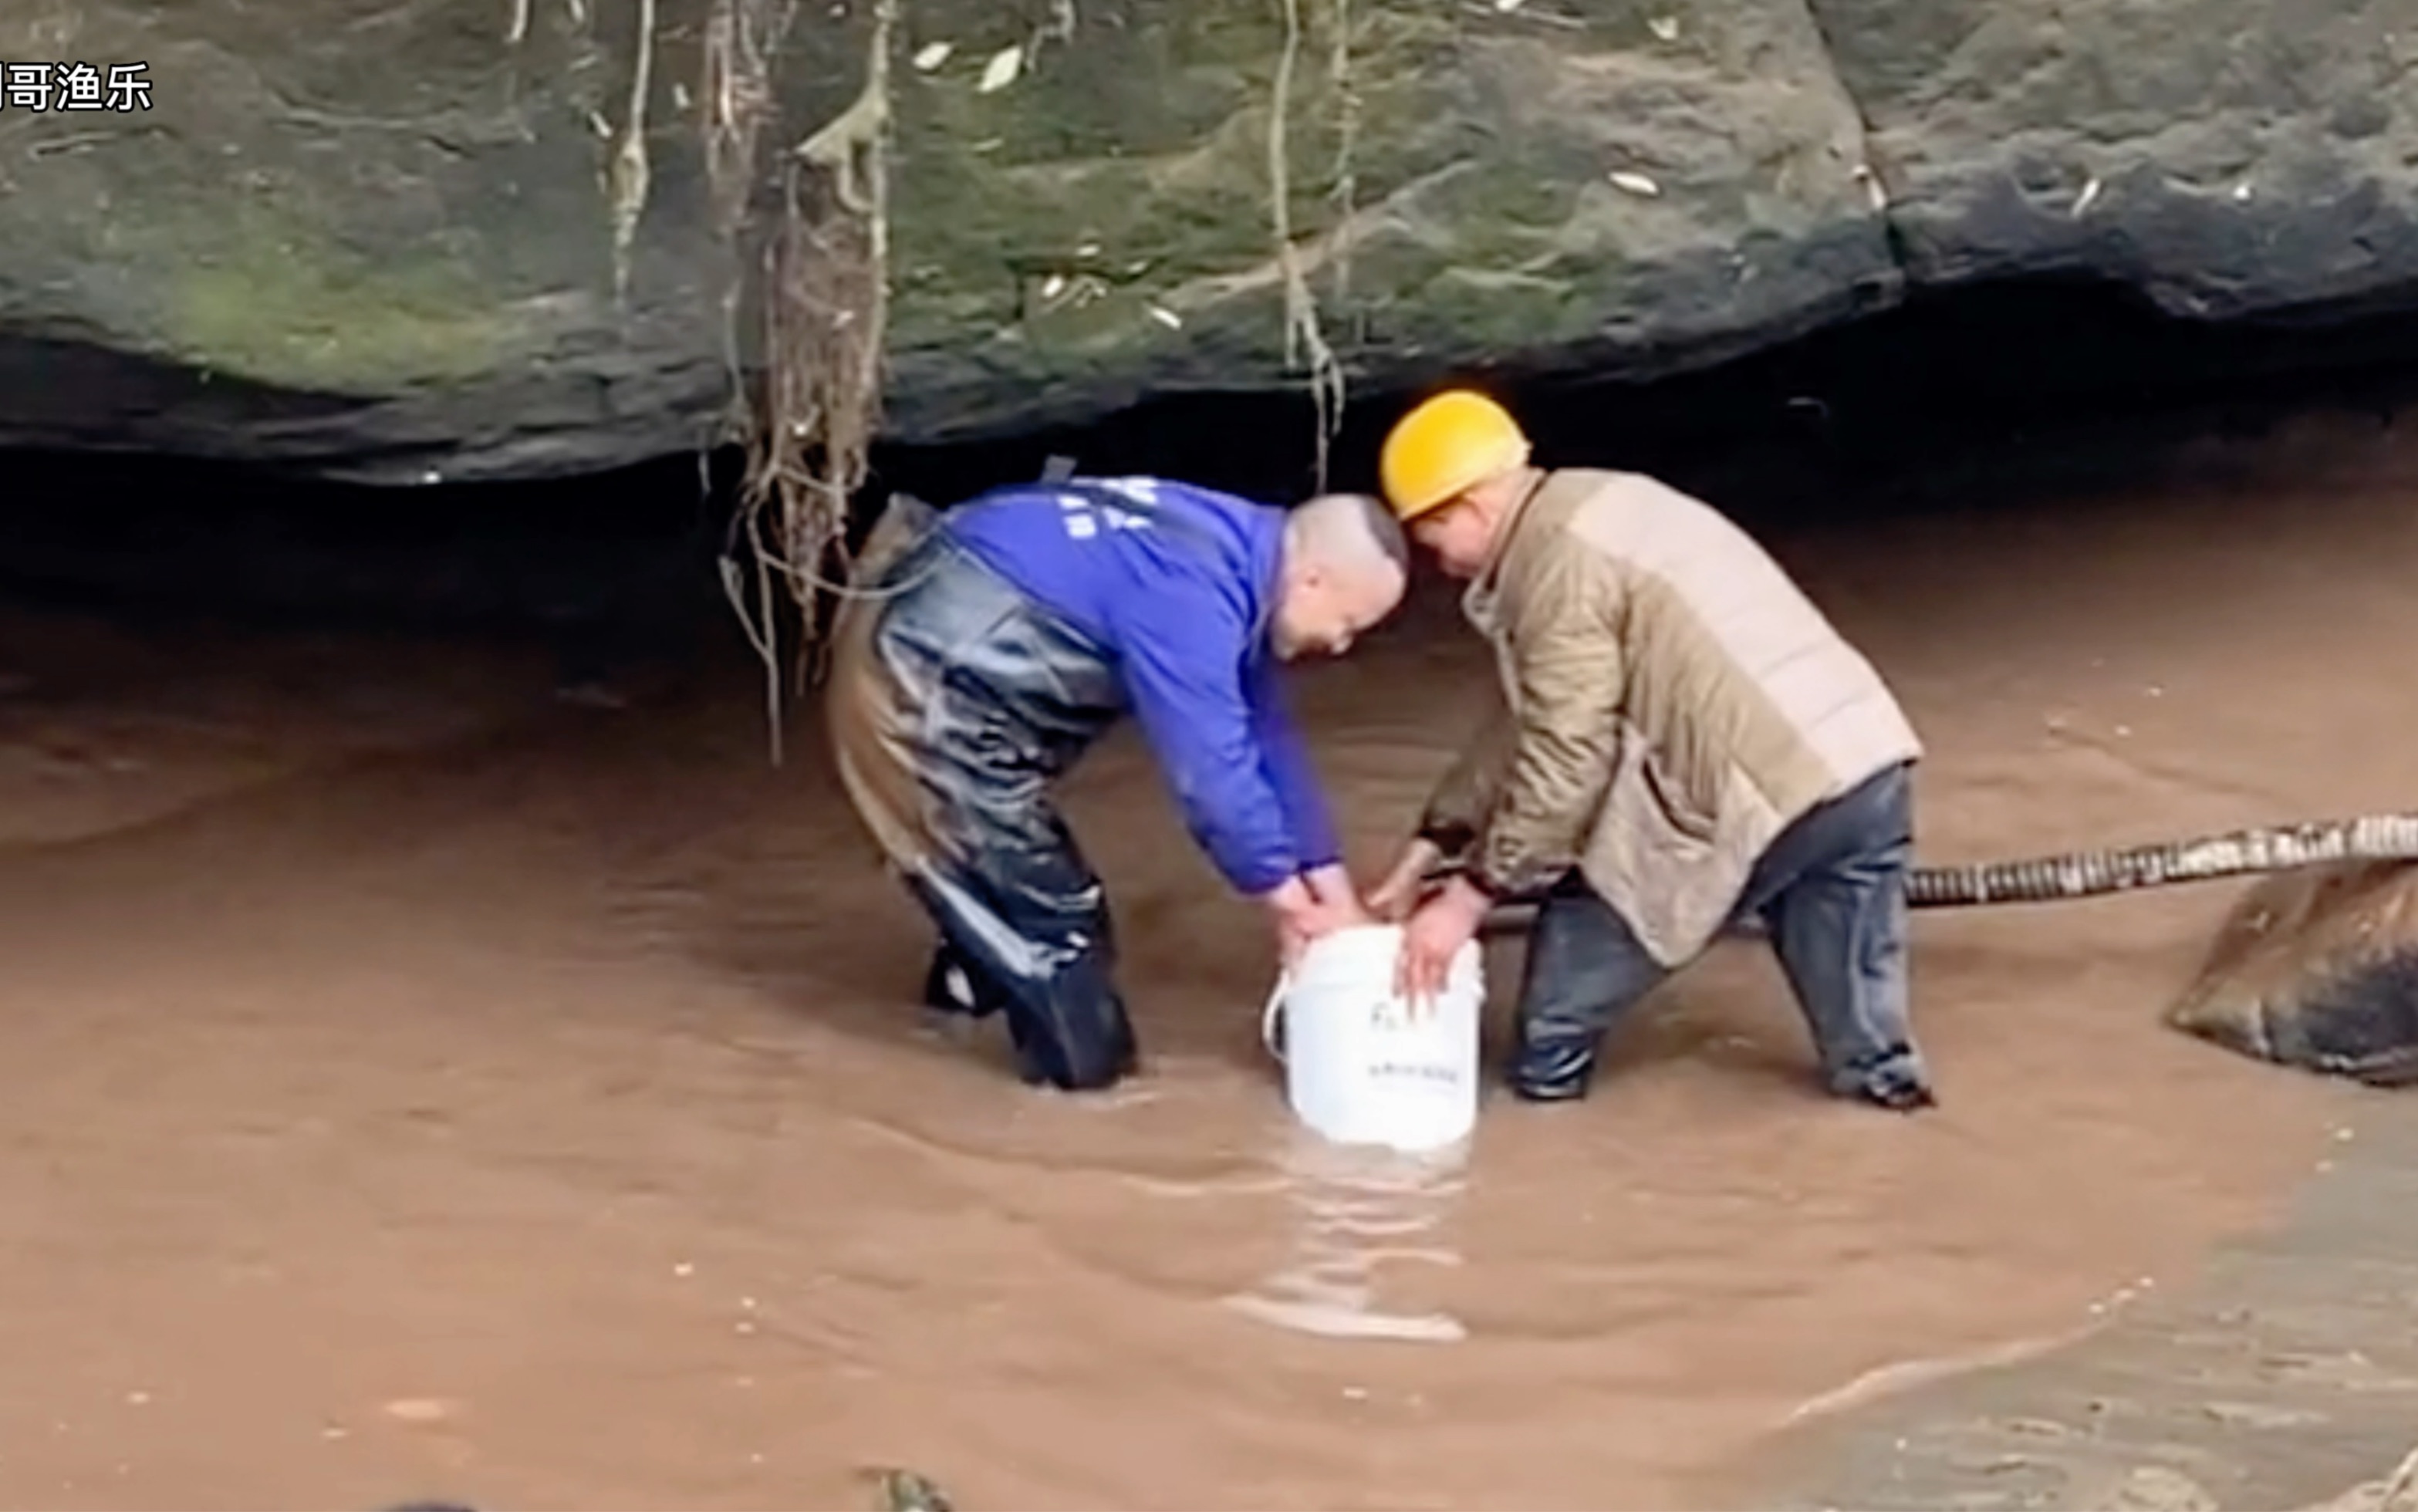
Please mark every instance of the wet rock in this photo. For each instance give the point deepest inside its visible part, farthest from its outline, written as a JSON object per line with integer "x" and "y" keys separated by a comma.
{"x": 373, "y": 239}
{"x": 2151, "y": 1488}
{"x": 2396, "y": 1492}
{"x": 904, "y": 1491}
{"x": 2156, "y": 1488}
{"x": 2316, "y": 968}
{"x": 2219, "y": 158}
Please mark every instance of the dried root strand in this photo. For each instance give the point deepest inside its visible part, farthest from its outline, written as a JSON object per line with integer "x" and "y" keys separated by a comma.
{"x": 1347, "y": 141}
{"x": 741, "y": 40}
{"x": 627, "y": 177}
{"x": 1304, "y": 338}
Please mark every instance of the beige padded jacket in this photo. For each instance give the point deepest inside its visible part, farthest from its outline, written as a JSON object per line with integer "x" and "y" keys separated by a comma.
{"x": 1672, "y": 701}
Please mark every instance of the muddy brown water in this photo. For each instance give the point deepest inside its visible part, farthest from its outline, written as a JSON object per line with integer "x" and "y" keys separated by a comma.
{"x": 417, "y": 1087}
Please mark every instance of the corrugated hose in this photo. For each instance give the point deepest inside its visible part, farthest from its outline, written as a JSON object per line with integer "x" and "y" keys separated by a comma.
{"x": 2085, "y": 874}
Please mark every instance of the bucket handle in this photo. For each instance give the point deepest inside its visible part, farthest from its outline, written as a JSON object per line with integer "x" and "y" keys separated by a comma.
{"x": 1272, "y": 1017}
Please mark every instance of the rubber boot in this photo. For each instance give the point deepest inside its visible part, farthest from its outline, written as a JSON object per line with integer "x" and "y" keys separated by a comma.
{"x": 1072, "y": 1032}
{"x": 1038, "y": 1067}
{"x": 956, "y": 984}
{"x": 1553, "y": 1069}
{"x": 1898, "y": 1084}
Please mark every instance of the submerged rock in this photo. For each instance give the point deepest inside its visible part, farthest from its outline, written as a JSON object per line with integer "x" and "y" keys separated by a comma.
{"x": 373, "y": 238}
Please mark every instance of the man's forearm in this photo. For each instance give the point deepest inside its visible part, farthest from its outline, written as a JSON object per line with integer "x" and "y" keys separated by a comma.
{"x": 1537, "y": 825}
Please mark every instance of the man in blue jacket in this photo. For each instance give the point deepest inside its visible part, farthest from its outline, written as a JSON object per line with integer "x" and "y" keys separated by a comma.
{"x": 982, "y": 651}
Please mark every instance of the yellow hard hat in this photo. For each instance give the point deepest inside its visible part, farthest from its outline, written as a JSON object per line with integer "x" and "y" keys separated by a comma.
{"x": 1451, "y": 442}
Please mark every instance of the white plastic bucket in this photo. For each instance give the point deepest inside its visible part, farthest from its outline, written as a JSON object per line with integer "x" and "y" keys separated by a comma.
{"x": 1361, "y": 1067}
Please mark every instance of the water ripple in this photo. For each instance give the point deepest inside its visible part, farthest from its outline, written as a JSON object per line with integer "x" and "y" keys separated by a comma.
{"x": 1341, "y": 1198}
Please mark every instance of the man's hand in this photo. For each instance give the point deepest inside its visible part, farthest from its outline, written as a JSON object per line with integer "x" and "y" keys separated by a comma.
{"x": 1302, "y": 912}
{"x": 1434, "y": 936}
{"x": 1399, "y": 894}
{"x": 1331, "y": 883}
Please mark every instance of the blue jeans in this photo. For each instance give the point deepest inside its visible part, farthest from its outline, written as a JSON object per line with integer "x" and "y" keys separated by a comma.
{"x": 1830, "y": 891}
{"x": 1001, "y": 696}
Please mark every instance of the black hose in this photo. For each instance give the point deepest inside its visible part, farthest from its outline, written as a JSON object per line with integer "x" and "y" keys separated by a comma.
{"x": 2085, "y": 874}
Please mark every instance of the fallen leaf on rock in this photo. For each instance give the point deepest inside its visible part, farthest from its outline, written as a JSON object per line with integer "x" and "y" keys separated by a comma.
{"x": 1002, "y": 69}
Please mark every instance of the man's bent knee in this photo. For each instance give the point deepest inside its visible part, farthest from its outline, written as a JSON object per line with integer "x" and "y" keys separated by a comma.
{"x": 1585, "y": 971}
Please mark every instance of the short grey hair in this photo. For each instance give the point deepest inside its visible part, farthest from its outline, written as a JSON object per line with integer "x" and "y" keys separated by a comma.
{"x": 1354, "y": 535}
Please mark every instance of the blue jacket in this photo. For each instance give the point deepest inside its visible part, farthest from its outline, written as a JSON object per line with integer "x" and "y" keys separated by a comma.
{"x": 1178, "y": 585}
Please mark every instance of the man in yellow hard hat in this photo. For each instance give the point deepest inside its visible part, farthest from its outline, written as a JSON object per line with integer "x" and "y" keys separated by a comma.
{"x": 1688, "y": 743}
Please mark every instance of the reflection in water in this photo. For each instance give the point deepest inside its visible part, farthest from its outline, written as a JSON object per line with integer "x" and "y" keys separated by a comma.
{"x": 1354, "y": 1210}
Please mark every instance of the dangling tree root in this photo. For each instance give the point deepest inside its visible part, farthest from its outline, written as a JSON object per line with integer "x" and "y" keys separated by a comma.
{"x": 1305, "y": 336}
{"x": 824, "y": 299}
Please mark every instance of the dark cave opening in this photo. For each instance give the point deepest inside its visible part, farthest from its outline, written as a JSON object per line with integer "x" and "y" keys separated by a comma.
{"x": 1986, "y": 397}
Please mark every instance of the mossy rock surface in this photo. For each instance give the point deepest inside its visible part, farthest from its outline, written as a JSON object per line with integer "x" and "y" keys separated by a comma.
{"x": 372, "y": 237}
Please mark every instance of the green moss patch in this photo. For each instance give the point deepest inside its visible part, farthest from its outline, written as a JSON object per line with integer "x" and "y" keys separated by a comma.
{"x": 264, "y": 294}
